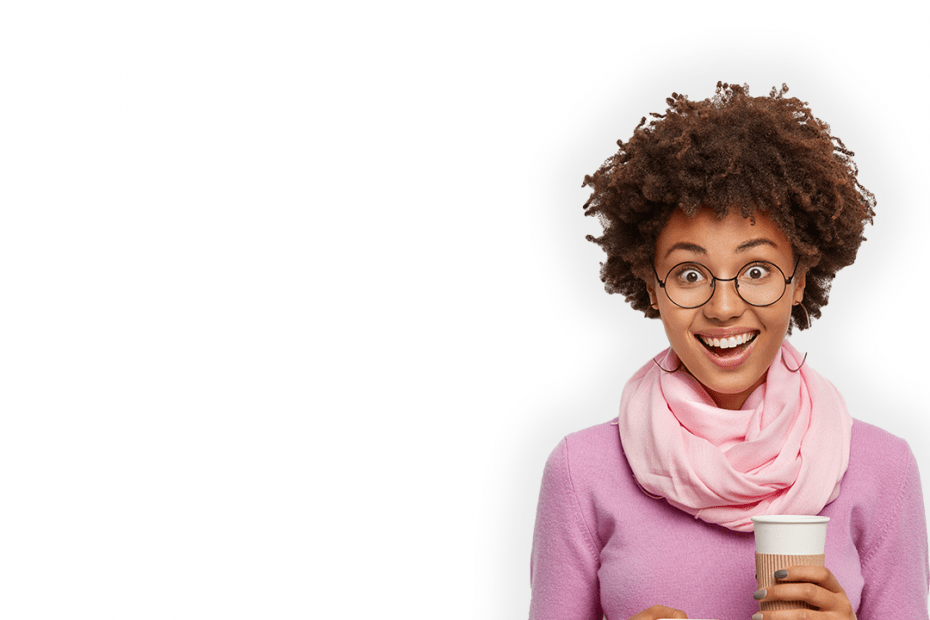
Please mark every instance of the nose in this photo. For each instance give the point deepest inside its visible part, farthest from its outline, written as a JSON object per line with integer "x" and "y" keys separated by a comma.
{"x": 725, "y": 303}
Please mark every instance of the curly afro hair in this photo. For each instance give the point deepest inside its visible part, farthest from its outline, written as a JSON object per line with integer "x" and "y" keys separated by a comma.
{"x": 730, "y": 152}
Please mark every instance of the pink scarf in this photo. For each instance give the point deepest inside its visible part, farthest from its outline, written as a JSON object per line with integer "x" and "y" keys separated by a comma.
{"x": 784, "y": 452}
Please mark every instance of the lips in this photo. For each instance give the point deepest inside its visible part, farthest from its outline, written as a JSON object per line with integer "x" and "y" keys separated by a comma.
{"x": 728, "y": 351}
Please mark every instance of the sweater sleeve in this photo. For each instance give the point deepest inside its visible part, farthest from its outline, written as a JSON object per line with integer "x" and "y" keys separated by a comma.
{"x": 565, "y": 557}
{"x": 895, "y": 567}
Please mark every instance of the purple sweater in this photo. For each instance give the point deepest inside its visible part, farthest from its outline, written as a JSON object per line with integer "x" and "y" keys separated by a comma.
{"x": 602, "y": 546}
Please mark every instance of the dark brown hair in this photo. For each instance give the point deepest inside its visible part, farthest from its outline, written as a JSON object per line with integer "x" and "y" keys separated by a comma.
{"x": 731, "y": 152}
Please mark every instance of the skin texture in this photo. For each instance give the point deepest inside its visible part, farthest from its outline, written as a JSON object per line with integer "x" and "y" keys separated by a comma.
{"x": 814, "y": 585}
{"x": 720, "y": 245}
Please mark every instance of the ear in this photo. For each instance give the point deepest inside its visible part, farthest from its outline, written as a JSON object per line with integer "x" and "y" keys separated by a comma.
{"x": 653, "y": 299}
{"x": 800, "y": 280}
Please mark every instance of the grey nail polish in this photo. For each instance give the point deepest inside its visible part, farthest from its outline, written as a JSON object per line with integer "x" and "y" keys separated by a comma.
{"x": 759, "y": 595}
{"x": 757, "y": 616}
{"x": 781, "y": 574}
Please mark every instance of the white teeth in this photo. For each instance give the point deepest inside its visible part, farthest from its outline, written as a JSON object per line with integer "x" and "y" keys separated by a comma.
{"x": 728, "y": 343}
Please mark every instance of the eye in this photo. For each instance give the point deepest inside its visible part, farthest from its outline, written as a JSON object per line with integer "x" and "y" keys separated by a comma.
{"x": 689, "y": 275}
{"x": 756, "y": 272}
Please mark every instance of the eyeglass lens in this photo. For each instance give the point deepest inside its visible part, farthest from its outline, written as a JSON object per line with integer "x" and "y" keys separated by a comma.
{"x": 759, "y": 283}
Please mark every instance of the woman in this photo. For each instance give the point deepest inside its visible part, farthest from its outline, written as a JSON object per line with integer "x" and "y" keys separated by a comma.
{"x": 728, "y": 219}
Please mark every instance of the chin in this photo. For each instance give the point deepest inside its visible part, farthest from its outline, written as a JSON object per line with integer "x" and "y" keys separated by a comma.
{"x": 733, "y": 372}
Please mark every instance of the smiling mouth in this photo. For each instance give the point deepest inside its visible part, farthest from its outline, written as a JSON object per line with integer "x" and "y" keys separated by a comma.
{"x": 726, "y": 347}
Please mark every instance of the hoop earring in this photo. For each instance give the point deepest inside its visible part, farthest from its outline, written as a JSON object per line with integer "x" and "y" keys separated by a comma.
{"x": 677, "y": 368}
{"x": 786, "y": 364}
{"x": 805, "y": 354}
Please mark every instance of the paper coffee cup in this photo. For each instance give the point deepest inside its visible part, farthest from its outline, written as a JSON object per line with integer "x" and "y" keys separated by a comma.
{"x": 783, "y": 541}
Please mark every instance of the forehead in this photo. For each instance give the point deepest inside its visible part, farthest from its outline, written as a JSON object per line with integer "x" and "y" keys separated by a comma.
{"x": 706, "y": 234}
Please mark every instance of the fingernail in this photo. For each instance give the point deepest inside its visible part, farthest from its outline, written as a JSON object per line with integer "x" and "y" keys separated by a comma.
{"x": 759, "y": 595}
{"x": 757, "y": 616}
{"x": 781, "y": 574}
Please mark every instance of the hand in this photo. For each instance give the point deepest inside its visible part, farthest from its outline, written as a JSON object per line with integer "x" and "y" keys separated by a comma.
{"x": 814, "y": 585}
{"x": 659, "y": 611}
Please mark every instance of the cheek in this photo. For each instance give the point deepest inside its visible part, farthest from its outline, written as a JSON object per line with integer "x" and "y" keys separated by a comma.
{"x": 676, "y": 321}
{"x": 779, "y": 316}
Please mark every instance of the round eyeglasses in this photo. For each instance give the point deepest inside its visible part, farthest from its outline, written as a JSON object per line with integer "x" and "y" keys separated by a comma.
{"x": 691, "y": 285}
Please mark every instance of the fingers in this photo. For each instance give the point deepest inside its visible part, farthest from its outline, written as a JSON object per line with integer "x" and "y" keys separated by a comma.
{"x": 659, "y": 611}
{"x": 795, "y": 614}
{"x": 808, "y": 592}
{"x": 787, "y": 614}
{"x": 813, "y": 574}
{"x": 814, "y": 585}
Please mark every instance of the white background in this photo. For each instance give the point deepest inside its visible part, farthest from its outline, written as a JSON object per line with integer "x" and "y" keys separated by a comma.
{"x": 296, "y": 298}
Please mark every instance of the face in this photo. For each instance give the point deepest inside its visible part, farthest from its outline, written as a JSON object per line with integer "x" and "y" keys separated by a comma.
{"x": 725, "y": 246}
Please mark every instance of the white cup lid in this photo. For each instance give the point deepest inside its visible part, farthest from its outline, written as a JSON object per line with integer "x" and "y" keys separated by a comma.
{"x": 790, "y": 534}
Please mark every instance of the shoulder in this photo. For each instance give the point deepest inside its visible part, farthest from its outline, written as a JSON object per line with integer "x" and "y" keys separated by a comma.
{"x": 588, "y": 461}
{"x": 881, "y": 479}
{"x": 575, "y": 474}
{"x": 886, "y": 519}
{"x": 876, "y": 455}
{"x": 590, "y": 466}
{"x": 603, "y": 437}
{"x": 872, "y": 439}
{"x": 589, "y": 453}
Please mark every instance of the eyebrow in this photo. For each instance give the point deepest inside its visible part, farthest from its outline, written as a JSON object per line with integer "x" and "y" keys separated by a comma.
{"x": 688, "y": 247}
{"x": 755, "y": 243}
{"x": 743, "y": 247}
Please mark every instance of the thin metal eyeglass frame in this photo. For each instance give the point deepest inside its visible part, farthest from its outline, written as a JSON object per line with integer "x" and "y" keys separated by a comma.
{"x": 714, "y": 279}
